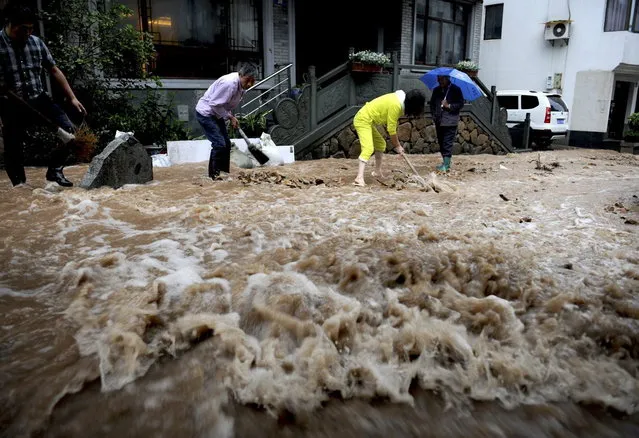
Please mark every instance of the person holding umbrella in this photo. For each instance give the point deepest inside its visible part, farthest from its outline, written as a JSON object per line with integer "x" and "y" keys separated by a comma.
{"x": 445, "y": 103}
{"x": 450, "y": 88}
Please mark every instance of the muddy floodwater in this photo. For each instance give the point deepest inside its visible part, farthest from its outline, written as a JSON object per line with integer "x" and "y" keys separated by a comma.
{"x": 500, "y": 300}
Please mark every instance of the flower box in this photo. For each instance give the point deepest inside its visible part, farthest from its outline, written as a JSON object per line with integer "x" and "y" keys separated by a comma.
{"x": 470, "y": 73}
{"x": 370, "y": 68}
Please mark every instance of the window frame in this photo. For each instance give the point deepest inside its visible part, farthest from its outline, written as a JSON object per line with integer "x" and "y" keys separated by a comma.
{"x": 174, "y": 51}
{"x": 627, "y": 26}
{"x": 634, "y": 17}
{"x": 501, "y": 21}
{"x": 424, "y": 17}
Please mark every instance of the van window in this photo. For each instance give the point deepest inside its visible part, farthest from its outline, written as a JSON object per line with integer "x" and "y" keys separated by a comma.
{"x": 529, "y": 102}
{"x": 508, "y": 102}
{"x": 557, "y": 104}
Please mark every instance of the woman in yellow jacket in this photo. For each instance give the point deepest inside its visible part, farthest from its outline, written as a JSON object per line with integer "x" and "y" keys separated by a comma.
{"x": 383, "y": 110}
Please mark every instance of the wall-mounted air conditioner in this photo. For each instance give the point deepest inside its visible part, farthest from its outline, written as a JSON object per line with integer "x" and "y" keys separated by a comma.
{"x": 557, "y": 30}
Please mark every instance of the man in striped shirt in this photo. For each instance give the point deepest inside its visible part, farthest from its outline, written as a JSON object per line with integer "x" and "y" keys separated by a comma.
{"x": 23, "y": 57}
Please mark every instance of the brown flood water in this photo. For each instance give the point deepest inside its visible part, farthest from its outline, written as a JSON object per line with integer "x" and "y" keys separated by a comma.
{"x": 286, "y": 302}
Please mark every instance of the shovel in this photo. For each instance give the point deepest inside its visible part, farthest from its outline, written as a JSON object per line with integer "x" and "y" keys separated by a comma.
{"x": 63, "y": 135}
{"x": 260, "y": 156}
{"x": 419, "y": 178}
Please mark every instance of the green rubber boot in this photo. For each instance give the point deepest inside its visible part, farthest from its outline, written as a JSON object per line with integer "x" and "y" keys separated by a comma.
{"x": 445, "y": 166}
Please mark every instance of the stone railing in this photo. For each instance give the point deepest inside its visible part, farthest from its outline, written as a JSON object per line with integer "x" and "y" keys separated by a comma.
{"x": 322, "y": 111}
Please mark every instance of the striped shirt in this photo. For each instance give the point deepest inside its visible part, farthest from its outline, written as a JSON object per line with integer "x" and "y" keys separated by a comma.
{"x": 21, "y": 67}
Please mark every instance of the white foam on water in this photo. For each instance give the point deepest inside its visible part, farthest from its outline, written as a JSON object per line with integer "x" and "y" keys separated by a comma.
{"x": 300, "y": 294}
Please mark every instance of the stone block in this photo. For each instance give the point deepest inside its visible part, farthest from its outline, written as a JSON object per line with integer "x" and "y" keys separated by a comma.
{"x": 419, "y": 123}
{"x": 431, "y": 134}
{"x": 457, "y": 149}
{"x": 415, "y": 136}
{"x": 404, "y": 131}
{"x": 346, "y": 138}
{"x": 334, "y": 146}
{"x": 123, "y": 161}
{"x": 473, "y": 137}
{"x": 355, "y": 149}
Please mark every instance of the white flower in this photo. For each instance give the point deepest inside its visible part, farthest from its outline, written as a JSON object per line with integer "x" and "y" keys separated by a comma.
{"x": 467, "y": 65}
{"x": 369, "y": 57}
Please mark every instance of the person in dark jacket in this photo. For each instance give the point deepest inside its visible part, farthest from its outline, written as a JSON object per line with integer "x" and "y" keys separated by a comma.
{"x": 445, "y": 103}
{"x": 23, "y": 59}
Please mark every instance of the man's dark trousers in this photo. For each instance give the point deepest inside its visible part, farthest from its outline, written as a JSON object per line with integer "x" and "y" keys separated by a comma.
{"x": 215, "y": 131}
{"x": 16, "y": 121}
{"x": 445, "y": 138}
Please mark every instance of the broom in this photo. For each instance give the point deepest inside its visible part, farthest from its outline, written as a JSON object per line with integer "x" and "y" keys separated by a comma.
{"x": 260, "y": 156}
{"x": 83, "y": 140}
{"x": 85, "y": 143}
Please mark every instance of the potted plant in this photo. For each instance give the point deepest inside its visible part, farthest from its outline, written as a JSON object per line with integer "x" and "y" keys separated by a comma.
{"x": 631, "y": 137}
{"x": 253, "y": 125}
{"x": 368, "y": 61}
{"x": 468, "y": 67}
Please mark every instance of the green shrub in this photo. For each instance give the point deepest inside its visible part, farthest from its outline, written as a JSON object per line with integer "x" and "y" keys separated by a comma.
{"x": 105, "y": 60}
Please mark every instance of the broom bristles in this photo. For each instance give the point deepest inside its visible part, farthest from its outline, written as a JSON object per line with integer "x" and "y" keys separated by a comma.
{"x": 85, "y": 143}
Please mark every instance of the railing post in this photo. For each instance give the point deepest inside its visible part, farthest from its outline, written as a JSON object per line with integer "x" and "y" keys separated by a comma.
{"x": 494, "y": 104}
{"x": 313, "y": 109}
{"x": 290, "y": 79}
{"x": 395, "y": 83}
{"x": 352, "y": 95}
{"x": 526, "y": 133}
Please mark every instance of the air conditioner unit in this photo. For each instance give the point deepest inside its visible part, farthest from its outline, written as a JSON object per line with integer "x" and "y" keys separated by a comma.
{"x": 557, "y": 30}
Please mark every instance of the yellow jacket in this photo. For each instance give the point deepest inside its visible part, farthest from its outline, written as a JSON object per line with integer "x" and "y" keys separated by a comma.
{"x": 383, "y": 110}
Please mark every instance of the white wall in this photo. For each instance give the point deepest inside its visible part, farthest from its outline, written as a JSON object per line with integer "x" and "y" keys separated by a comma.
{"x": 522, "y": 58}
{"x": 591, "y": 104}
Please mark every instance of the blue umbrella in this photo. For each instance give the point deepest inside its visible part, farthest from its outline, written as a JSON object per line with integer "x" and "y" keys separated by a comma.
{"x": 469, "y": 89}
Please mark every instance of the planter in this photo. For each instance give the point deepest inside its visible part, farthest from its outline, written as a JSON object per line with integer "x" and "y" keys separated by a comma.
{"x": 370, "y": 68}
{"x": 471, "y": 73}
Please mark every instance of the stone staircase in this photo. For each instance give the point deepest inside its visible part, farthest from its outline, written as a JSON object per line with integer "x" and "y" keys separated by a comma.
{"x": 318, "y": 120}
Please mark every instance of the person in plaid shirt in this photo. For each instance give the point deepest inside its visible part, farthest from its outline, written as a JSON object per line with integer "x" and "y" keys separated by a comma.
{"x": 23, "y": 57}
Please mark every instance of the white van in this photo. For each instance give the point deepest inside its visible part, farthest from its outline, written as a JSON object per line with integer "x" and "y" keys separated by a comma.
{"x": 549, "y": 116}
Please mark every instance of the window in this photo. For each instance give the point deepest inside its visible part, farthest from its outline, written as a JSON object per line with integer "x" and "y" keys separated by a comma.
{"x": 617, "y": 15}
{"x": 557, "y": 103}
{"x": 529, "y": 102}
{"x": 441, "y": 29}
{"x": 635, "y": 17}
{"x": 508, "y": 102}
{"x": 492, "y": 25}
{"x": 199, "y": 38}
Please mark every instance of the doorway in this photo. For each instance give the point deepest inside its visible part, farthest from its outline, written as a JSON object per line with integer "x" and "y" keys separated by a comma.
{"x": 618, "y": 108}
{"x": 326, "y": 30}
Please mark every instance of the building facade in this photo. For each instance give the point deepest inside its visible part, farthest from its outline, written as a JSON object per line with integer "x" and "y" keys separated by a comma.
{"x": 587, "y": 50}
{"x": 200, "y": 40}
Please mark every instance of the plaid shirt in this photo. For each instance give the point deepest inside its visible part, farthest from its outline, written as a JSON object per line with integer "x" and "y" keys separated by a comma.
{"x": 21, "y": 67}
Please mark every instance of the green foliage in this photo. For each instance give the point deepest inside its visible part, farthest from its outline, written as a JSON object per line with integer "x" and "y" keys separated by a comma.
{"x": 369, "y": 57}
{"x": 108, "y": 63}
{"x": 632, "y": 135}
{"x": 253, "y": 125}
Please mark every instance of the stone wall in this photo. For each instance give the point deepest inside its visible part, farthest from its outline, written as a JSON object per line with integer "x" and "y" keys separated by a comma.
{"x": 417, "y": 137}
